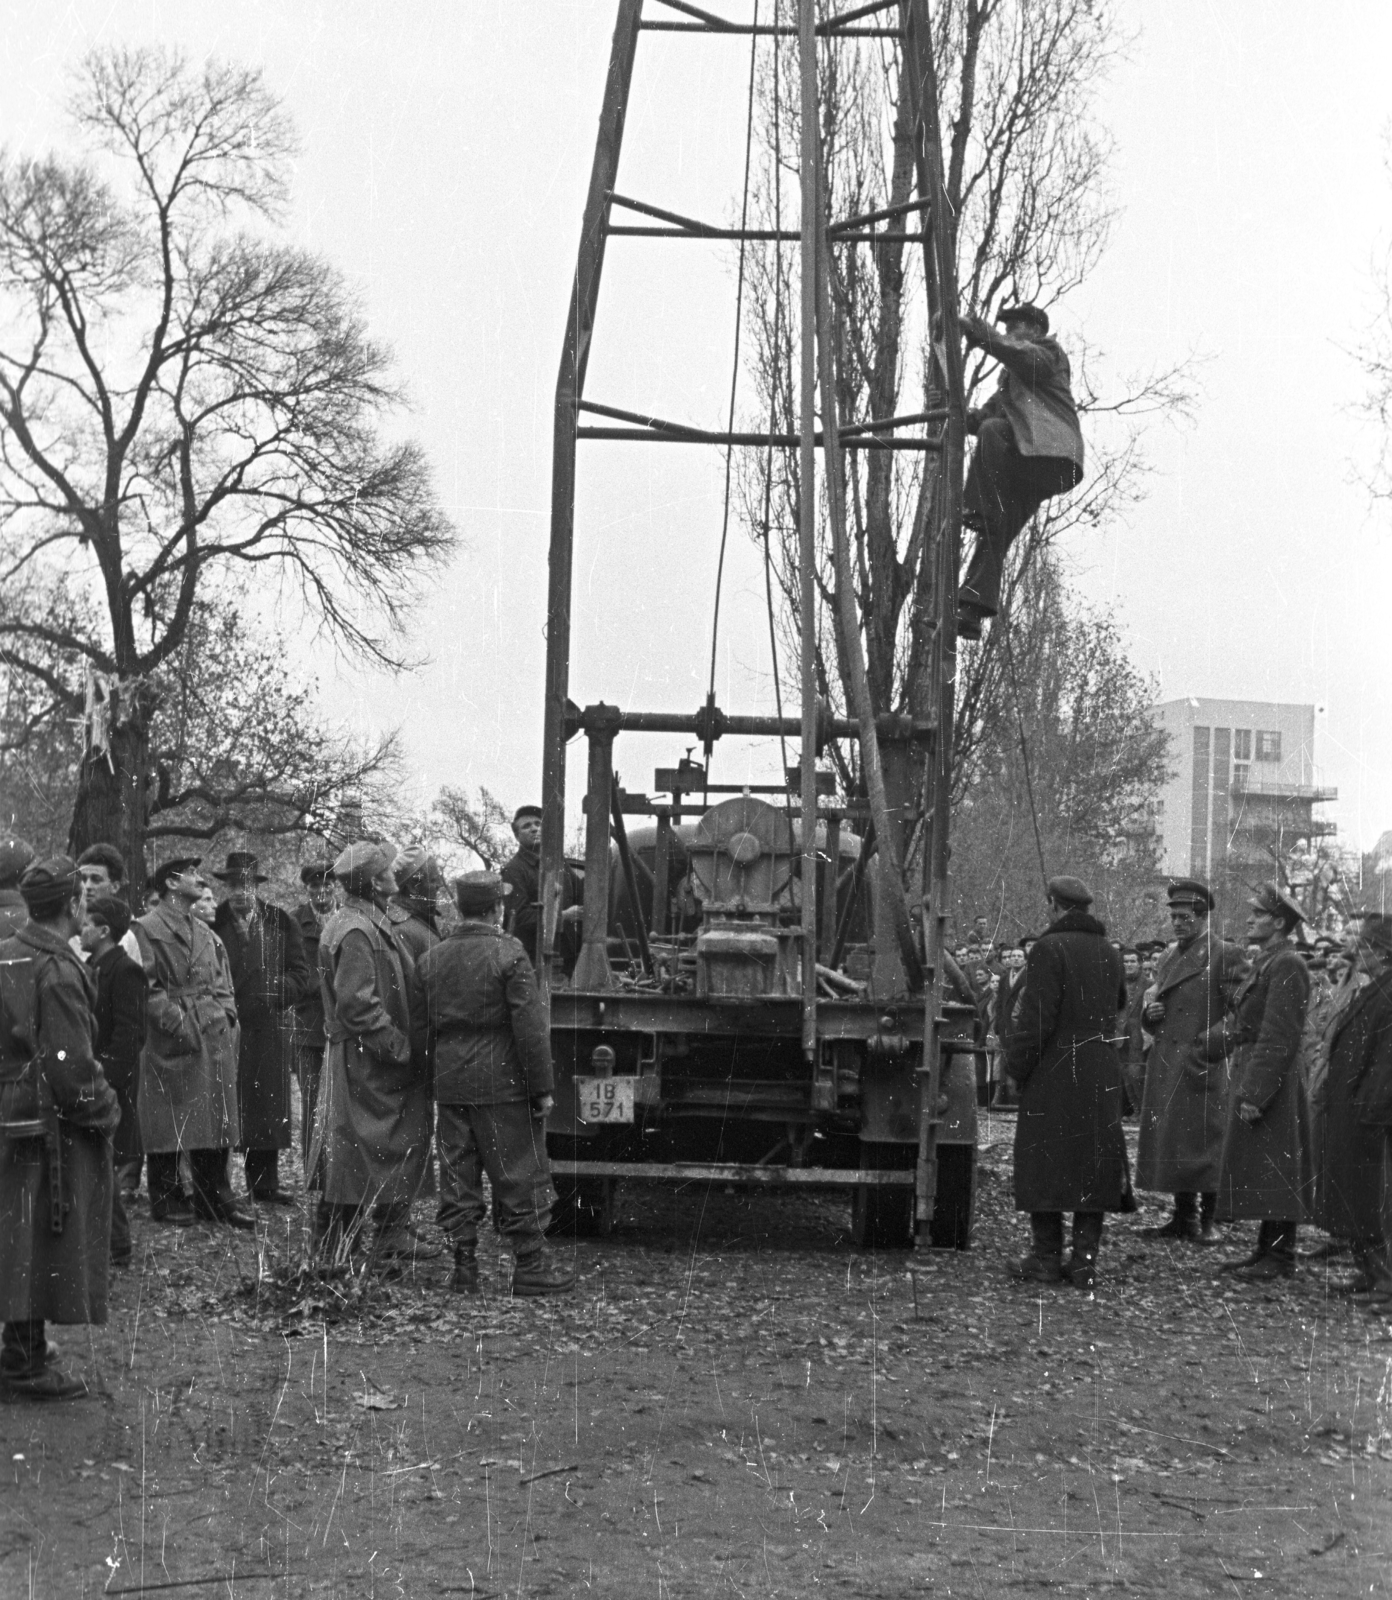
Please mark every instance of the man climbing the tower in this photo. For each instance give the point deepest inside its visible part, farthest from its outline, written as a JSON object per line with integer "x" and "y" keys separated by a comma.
{"x": 1028, "y": 448}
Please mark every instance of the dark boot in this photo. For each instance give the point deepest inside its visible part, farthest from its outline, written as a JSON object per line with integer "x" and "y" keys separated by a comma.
{"x": 1045, "y": 1265}
{"x": 1274, "y": 1256}
{"x": 1182, "y": 1225}
{"x": 1081, "y": 1270}
{"x": 26, "y": 1370}
{"x": 1208, "y": 1234}
{"x": 538, "y": 1272}
{"x": 466, "y": 1273}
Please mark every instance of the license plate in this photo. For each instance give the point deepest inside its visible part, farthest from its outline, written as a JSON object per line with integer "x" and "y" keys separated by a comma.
{"x": 605, "y": 1099}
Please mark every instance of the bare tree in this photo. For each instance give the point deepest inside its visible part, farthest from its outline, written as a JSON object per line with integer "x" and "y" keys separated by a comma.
{"x": 1026, "y": 164}
{"x": 482, "y": 826}
{"x": 1065, "y": 779}
{"x": 184, "y": 396}
{"x": 240, "y": 749}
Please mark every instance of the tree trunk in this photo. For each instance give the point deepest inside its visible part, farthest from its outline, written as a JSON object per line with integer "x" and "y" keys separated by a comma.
{"x": 112, "y": 785}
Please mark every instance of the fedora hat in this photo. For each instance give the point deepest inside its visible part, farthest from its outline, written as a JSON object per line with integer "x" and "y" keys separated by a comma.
{"x": 242, "y": 867}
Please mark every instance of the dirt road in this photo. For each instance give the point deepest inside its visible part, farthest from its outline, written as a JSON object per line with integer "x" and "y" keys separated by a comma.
{"x": 735, "y": 1401}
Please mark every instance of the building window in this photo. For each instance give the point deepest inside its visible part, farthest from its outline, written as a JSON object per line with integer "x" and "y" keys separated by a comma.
{"x": 1240, "y": 774}
{"x": 1242, "y": 744}
{"x": 1268, "y": 747}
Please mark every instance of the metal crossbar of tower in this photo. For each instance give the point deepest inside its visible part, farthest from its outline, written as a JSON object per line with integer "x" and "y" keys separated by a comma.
{"x": 941, "y": 441}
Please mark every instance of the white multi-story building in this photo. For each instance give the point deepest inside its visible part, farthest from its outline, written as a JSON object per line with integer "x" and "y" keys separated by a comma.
{"x": 1243, "y": 789}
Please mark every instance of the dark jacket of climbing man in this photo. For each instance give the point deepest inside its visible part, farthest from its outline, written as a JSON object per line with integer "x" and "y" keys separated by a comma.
{"x": 1070, "y": 1150}
{"x": 490, "y": 1046}
{"x": 1028, "y": 446}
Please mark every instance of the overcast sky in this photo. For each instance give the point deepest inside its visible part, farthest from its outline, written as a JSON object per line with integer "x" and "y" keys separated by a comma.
{"x": 446, "y": 148}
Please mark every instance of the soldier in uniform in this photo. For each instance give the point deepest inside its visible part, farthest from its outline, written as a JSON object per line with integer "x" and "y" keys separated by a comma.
{"x": 57, "y": 1112}
{"x": 269, "y": 975}
{"x": 1070, "y": 1150}
{"x": 308, "y": 1024}
{"x": 188, "y": 1069}
{"x": 372, "y": 1125}
{"x": 492, "y": 1056}
{"x": 15, "y": 856}
{"x": 1265, "y": 1171}
{"x": 1185, "y": 1101}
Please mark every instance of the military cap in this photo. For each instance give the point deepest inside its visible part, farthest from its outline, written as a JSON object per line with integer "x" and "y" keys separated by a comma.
{"x": 47, "y": 885}
{"x": 363, "y": 861}
{"x": 1376, "y": 930}
{"x": 171, "y": 869}
{"x": 1069, "y": 891}
{"x": 106, "y": 908}
{"x": 416, "y": 867}
{"x": 1024, "y": 313}
{"x": 316, "y": 871}
{"x": 479, "y": 891}
{"x": 525, "y": 811}
{"x": 1189, "y": 892}
{"x": 1274, "y": 902}
{"x": 15, "y": 855}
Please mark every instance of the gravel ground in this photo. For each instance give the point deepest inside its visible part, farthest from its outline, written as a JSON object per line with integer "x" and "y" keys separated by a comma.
{"x": 734, "y": 1401}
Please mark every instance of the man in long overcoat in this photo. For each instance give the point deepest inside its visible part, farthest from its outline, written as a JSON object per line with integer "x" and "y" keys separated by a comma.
{"x": 1265, "y": 1170}
{"x": 55, "y": 1222}
{"x": 269, "y": 975}
{"x": 308, "y": 1017}
{"x": 1028, "y": 448}
{"x": 491, "y": 1045}
{"x": 1185, "y": 1099}
{"x": 1357, "y": 1045}
{"x": 188, "y": 1068}
{"x": 1070, "y": 1150}
{"x": 372, "y": 1126}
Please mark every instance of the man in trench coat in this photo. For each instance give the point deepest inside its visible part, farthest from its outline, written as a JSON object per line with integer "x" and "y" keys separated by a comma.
{"x": 372, "y": 1125}
{"x": 55, "y": 1223}
{"x": 1184, "y": 1104}
{"x": 1070, "y": 1150}
{"x": 269, "y": 976}
{"x": 1265, "y": 1169}
{"x": 188, "y": 1069}
{"x": 1357, "y": 1045}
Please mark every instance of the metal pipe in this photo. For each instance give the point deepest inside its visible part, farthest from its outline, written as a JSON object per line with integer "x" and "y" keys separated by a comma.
{"x": 570, "y": 385}
{"x": 807, "y": 516}
{"x": 630, "y": 880}
{"x": 887, "y": 725}
{"x": 787, "y": 441}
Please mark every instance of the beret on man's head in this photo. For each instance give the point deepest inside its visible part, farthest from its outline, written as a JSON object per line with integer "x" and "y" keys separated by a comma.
{"x": 1069, "y": 891}
{"x": 48, "y": 885}
{"x": 363, "y": 861}
{"x": 1189, "y": 892}
{"x": 479, "y": 891}
{"x": 15, "y": 855}
{"x": 523, "y": 812}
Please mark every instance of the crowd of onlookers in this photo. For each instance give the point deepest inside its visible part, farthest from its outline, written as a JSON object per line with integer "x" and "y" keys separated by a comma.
{"x": 1260, "y": 1072}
